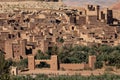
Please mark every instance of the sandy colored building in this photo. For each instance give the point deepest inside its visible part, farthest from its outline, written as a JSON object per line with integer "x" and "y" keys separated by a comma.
{"x": 24, "y": 31}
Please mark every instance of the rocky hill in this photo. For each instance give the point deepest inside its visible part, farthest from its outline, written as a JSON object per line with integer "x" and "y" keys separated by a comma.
{"x": 82, "y": 2}
{"x": 10, "y": 6}
{"x": 116, "y": 6}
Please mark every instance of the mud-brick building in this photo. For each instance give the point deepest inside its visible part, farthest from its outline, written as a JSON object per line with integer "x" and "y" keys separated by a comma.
{"x": 17, "y": 49}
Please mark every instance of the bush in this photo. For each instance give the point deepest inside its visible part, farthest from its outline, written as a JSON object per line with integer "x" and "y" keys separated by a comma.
{"x": 98, "y": 65}
{"x": 43, "y": 64}
{"x": 63, "y": 77}
{"x": 41, "y": 55}
{"x": 22, "y": 64}
{"x": 109, "y": 69}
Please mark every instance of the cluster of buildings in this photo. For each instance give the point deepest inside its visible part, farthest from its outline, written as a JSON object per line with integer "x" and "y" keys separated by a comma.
{"x": 23, "y": 32}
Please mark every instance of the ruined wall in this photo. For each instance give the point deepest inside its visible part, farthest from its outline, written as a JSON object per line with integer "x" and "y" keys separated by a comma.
{"x": 106, "y": 15}
{"x": 14, "y": 71}
{"x": 92, "y": 10}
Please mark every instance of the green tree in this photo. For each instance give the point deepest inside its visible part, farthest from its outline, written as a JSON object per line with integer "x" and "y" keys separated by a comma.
{"x": 98, "y": 65}
{"x": 22, "y": 64}
{"x": 41, "y": 55}
{"x": 4, "y": 67}
{"x": 60, "y": 40}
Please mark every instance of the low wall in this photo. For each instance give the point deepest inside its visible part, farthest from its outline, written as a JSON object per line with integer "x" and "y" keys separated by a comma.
{"x": 55, "y": 66}
{"x": 73, "y": 66}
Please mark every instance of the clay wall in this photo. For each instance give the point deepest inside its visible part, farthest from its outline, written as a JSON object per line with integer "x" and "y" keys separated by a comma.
{"x": 3, "y": 15}
{"x": 106, "y": 15}
{"x": 92, "y": 10}
{"x": 116, "y": 14}
{"x": 23, "y": 47}
{"x": 16, "y": 51}
{"x": 54, "y": 65}
{"x": 72, "y": 66}
{"x": 44, "y": 46}
{"x": 4, "y": 35}
{"x": 81, "y": 20}
{"x": 31, "y": 62}
{"x": 92, "y": 19}
{"x": 8, "y": 49}
{"x": 2, "y": 45}
{"x": 92, "y": 61}
{"x": 53, "y": 62}
{"x": 73, "y": 19}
